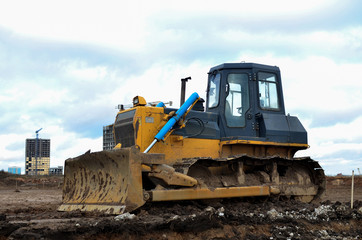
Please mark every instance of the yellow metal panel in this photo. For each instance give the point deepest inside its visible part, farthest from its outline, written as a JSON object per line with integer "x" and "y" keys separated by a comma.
{"x": 252, "y": 142}
{"x": 260, "y": 148}
{"x": 147, "y": 123}
{"x": 171, "y": 177}
{"x": 204, "y": 193}
{"x": 187, "y": 148}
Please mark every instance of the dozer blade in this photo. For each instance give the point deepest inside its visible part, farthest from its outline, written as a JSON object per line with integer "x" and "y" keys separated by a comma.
{"x": 106, "y": 181}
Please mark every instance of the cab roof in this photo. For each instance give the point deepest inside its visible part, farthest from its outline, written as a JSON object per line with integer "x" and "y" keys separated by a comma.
{"x": 244, "y": 66}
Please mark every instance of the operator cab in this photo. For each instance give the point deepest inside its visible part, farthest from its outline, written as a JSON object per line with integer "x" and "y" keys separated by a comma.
{"x": 248, "y": 98}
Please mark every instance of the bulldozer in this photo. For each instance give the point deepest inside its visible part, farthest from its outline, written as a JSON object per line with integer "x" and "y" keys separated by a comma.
{"x": 242, "y": 145}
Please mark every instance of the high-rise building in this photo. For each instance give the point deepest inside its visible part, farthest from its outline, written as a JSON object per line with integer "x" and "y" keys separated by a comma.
{"x": 14, "y": 170}
{"x": 108, "y": 141}
{"x": 37, "y": 156}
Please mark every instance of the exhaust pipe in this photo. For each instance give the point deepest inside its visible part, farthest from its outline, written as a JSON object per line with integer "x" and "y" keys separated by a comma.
{"x": 183, "y": 89}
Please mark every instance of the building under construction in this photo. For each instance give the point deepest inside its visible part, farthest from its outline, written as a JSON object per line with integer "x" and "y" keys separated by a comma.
{"x": 108, "y": 141}
{"x": 37, "y": 156}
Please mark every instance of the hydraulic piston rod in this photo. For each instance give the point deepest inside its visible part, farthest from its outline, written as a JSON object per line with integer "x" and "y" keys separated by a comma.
{"x": 172, "y": 121}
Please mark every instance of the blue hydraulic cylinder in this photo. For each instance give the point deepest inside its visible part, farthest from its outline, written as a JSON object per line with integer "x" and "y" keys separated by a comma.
{"x": 171, "y": 122}
{"x": 180, "y": 112}
{"x": 160, "y": 104}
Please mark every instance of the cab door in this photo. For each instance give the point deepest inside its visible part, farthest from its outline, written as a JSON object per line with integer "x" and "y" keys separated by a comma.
{"x": 229, "y": 94}
{"x": 238, "y": 110}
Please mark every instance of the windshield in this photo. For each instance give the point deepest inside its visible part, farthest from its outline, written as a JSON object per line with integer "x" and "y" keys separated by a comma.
{"x": 214, "y": 91}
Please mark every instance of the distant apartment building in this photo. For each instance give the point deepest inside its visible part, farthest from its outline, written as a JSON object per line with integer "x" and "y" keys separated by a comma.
{"x": 37, "y": 156}
{"x": 56, "y": 170}
{"x": 14, "y": 170}
{"x": 108, "y": 141}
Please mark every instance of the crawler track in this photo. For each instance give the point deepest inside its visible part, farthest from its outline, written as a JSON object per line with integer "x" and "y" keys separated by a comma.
{"x": 298, "y": 178}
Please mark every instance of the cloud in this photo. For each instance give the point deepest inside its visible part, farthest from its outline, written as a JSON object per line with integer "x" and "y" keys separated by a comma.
{"x": 337, "y": 147}
{"x": 64, "y": 66}
{"x": 146, "y": 29}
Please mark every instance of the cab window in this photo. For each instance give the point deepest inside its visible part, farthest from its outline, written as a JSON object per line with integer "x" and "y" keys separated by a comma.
{"x": 237, "y": 100}
{"x": 268, "y": 94}
{"x": 214, "y": 90}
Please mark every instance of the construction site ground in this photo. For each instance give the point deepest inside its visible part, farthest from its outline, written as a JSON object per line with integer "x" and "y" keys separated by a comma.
{"x": 28, "y": 210}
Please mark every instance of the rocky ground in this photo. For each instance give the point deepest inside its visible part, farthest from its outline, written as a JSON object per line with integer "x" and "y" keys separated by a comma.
{"x": 29, "y": 212}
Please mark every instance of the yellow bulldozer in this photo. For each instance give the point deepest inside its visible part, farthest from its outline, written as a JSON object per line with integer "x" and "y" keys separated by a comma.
{"x": 242, "y": 145}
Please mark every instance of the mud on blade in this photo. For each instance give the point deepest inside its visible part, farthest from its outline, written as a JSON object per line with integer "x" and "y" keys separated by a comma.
{"x": 106, "y": 181}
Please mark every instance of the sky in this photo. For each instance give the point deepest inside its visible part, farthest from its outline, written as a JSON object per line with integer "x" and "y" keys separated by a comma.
{"x": 65, "y": 65}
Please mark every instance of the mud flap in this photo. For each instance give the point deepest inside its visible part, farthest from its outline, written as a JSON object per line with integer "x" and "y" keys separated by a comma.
{"x": 106, "y": 181}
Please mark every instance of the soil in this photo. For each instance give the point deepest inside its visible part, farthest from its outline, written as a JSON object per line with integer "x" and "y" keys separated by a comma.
{"x": 28, "y": 210}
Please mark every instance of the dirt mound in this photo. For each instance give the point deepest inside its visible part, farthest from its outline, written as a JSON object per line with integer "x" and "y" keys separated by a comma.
{"x": 11, "y": 181}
